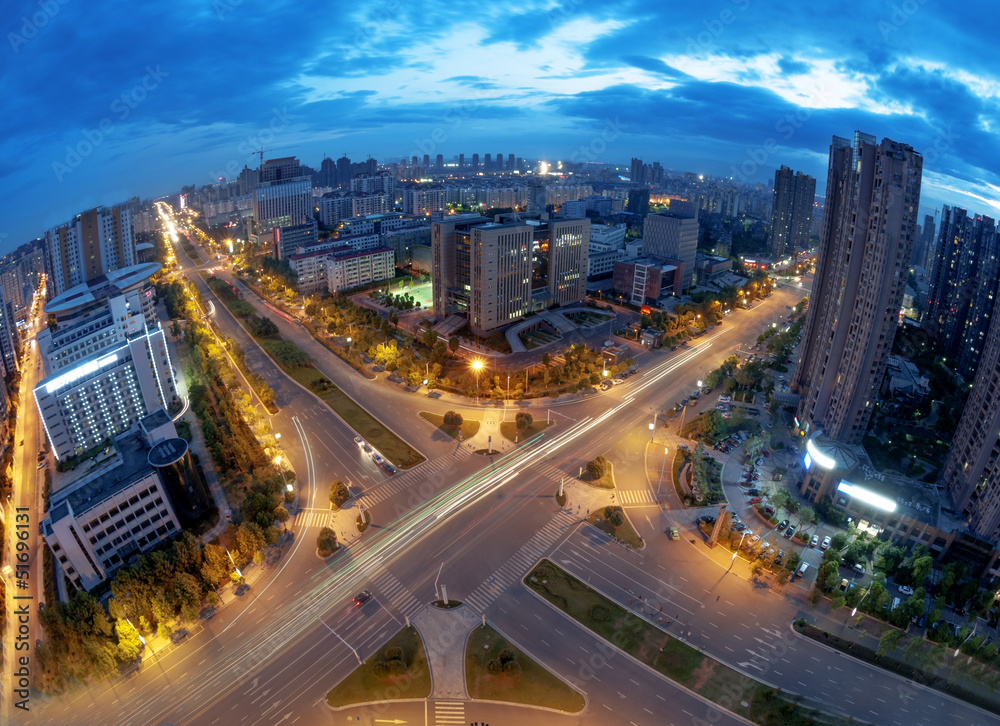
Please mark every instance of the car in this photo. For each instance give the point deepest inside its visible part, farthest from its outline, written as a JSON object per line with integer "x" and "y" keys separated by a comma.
{"x": 755, "y": 500}
{"x": 367, "y": 448}
{"x": 790, "y": 531}
{"x": 759, "y": 462}
{"x": 362, "y": 597}
{"x": 755, "y": 539}
{"x": 358, "y": 440}
{"x": 753, "y": 492}
{"x": 705, "y": 519}
{"x": 674, "y": 534}
{"x": 782, "y": 524}
{"x": 41, "y": 463}
{"x": 959, "y": 611}
{"x": 859, "y": 568}
{"x": 906, "y": 589}
{"x": 814, "y": 542}
{"x": 778, "y": 557}
{"x": 826, "y": 543}
{"x": 739, "y": 527}
{"x": 617, "y": 381}
{"x": 769, "y": 510}
{"x": 843, "y": 585}
{"x": 736, "y": 518}
{"x": 377, "y": 459}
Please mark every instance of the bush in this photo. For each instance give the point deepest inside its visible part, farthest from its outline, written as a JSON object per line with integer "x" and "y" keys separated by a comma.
{"x": 617, "y": 517}
{"x": 339, "y": 493}
{"x": 453, "y": 419}
{"x": 512, "y": 669}
{"x": 393, "y": 654}
{"x": 523, "y": 420}
{"x": 396, "y": 667}
{"x": 599, "y": 614}
{"x": 380, "y": 669}
{"x": 597, "y": 468}
{"x": 326, "y": 541}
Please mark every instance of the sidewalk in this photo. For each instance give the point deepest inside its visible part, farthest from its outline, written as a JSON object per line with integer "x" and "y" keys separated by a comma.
{"x": 445, "y": 633}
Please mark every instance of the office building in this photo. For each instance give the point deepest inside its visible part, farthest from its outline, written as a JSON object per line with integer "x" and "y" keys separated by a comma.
{"x": 869, "y": 220}
{"x": 288, "y": 239}
{"x": 402, "y": 240}
{"x": 497, "y": 272}
{"x": 281, "y": 170}
{"x": 644, "y": 281}
{"x": 673, "y": 235}
{"x": 352, "y": 268}
{"x": 95, "y": 243}
{"x": 282, "y": 203}
{"x": 106, "y": 362}
{"x": 381, "y": 183}
{"x": 791, "y": 211}
{"x": 129, "y": 501}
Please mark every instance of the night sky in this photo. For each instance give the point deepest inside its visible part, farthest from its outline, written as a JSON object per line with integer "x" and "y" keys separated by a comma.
{"x": 103, "y": 101}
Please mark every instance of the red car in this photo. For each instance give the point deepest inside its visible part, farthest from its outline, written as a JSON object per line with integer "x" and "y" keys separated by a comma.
{"x": 767, "y": 453}
{"x": 755, "y": 500}
{"x": 769, "y": 509}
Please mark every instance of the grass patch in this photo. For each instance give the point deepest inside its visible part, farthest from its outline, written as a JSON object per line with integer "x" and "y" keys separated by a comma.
{"x": 508, "y": 429}
{"x": 189, "y": 249}
{"x": 605, "y": 482}
{"x": 468, "y": 428}
{"x": 625, "y": 531}
{"x": 364, "y": 685}
{"x": 533, "y": 685}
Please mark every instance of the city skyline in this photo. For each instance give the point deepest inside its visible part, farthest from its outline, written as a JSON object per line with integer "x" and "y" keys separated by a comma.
{"x": 737, "y": 89}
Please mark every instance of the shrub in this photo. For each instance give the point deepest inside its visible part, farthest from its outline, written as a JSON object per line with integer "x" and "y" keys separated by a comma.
{"x": 617, "y": 517}
{"x": 597, "y": 468}
{"x": 339, "y": 493}
{"x": 326, "y": 541}
{"x": 512, "y": 669}
{"x": 599, "y": 614}
{"x": 397, "y": 667}
{"x": 453, "y": 419}
{"x": 380, "y": 669}
{"x": 393, "y": 654}
{"x": 523, "y": 420}
{"x": 494, "y": 668}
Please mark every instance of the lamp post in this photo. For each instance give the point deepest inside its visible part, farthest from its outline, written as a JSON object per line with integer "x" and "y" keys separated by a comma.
{"x": 855, "y": 610}
{"x": 733, "y": 561}
{"x": 652, "y": 428}
{"x": 967, "y": 638}
{"x": 477, "y": 365}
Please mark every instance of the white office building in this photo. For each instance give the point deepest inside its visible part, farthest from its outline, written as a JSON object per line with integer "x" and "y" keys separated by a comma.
{"x": 353, "y": 269}
{"x": 282, "y": 203}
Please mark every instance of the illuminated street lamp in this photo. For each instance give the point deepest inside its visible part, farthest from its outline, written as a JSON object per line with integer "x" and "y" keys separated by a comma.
{"x": 477, "y": 366}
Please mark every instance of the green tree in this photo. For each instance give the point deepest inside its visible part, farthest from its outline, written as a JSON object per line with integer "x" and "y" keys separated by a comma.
{"x": 129, "y": 645}
{"x": 922, "y": 567}
{"x": 454, "y": 343}
{"x": 839, "y": 541}
{"x": 597, "y": 468}
{"x": 326, "y": 541}
{"x": 523, "y": 420}
{"x": 453, "y": 419}
{"x": 430, "y": 338}
{"x": 339, "y": 493}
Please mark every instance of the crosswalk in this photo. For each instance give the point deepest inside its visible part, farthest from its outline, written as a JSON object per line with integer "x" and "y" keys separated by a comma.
{"x": 397, "y": 595}
{"x": 518, "y": 564}
{"x": 427, "y": 470}
{"x": 449, "y": 713}
{"x": 315, "y": 517}
{"x": 635, "y": 496}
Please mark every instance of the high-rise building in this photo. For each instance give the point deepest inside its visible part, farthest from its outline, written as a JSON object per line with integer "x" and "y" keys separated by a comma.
{"x": 475, "y": 163}
{"x": 791, "y": 211}
{"x": 488, "y": 163}
{"x": 423, "y": 201}
{"x": 511, "y": 163}
{"x": 106, "y": 361}
{"x": 282, "y": 169}
{"x": 343, "y": 171}
{"x": 673, "y": 235}
{"x": 982, "y": 301}
{"x": 382, "y": 181}
{"x": 327, "y": 172}
{"x": 971, "y": 470}
{"x": 9, "y": 339}
{"x": 869, "y": 220}
{"x": 461, "y": 162}
{"x": 288, "y": 239}
{"x": 282, "y": 203}
{"x": 497, "y": 272}
{"x": 636, "y": 172}
{"x": 923, "y": 246}
{"x": 95, "y": 243}
{"x": 638, "y": 201}
{"x": 439, "y": 162}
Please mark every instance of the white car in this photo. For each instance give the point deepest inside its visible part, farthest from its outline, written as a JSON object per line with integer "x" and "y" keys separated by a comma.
{"x": 826, "y": 543}
{"x": 359, "y": 441}
{"x": 906, "y": 589}
{"x": 618, "y": 381}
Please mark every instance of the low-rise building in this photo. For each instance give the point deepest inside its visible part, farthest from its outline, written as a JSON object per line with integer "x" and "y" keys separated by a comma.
{"x": 644, "y": 280}
{"x": 355, "y": 268}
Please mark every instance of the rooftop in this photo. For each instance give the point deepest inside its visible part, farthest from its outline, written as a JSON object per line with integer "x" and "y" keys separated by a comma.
{"x": 105, "y": 286}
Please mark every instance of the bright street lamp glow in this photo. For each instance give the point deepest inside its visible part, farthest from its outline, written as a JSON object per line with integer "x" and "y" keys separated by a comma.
{"x": 477, "y": 365}
{"x": 699, "y": 384}
{"x": 867, "y": 496}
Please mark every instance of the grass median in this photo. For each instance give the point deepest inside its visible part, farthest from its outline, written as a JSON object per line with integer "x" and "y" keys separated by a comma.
{"x": 488, "y": 675}
{"x": 297, "y": 364}
{"x": 468, "y": 428}
{"x": 508, "y": 429}
{"x": 679, "y": 662}
{"x": 398, "y": 671}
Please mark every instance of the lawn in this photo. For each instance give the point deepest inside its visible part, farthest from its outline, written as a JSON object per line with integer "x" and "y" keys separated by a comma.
{"x": 363, "y": 685}
{"x": 534, "y": 686}
{"x": 509, "y": 429}
{"x": 468, "y": 429}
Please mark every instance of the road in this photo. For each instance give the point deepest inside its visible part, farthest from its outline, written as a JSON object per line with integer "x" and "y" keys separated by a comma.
{"x": 271, "y": 658}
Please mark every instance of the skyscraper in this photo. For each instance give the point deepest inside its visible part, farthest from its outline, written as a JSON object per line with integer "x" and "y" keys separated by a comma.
{"x": 475, "y": 163}
{"x": 791, "y": 211}
{"x": 982, "y": 301}
{"x": 636, "y": 172}
{"x": 488, "y": 163}
{"x": 94, "y": 243}
{"x": 511, "y": 163}
{"x": 923, "y": 246}
{"x": 282, "y": 203}
{"x": 869, "y": 220}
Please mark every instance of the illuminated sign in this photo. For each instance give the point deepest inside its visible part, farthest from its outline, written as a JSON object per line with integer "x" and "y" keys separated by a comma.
{"x": 867, "y": 496}
{"x": 808, "y": 462}
{"x": 827, "y": 462}
{"x": 79, "y": 372}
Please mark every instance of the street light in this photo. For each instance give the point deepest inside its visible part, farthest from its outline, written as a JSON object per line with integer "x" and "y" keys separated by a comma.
{"x": 652, "y": 427}
{"x": 738, "y": 547}
{"x": 477, "y": 366}
{"x": 967, "y": 638}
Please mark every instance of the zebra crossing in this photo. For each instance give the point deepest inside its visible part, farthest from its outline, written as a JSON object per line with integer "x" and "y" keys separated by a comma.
{"x": 635, "y": 496}
{"x": 397, "y": 595}
{"x": 393, "y": 486}
{"x": 315, "y": 518}
{"x": 449, "y": 713}
{"x": 520, "y": 562}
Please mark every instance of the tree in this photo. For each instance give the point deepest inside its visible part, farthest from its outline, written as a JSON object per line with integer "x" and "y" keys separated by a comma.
{"x": 454, "y": 343}
{"x": 546, "y": 359}
{"x": 281, "y": 514}
{"x": 326, "y": 541}
{"x": 339, "y": 493}
{"x": 430, "y": 338}
{"x": 523, "y": 420}
{"x": 394, "y": 319}
{"x": 808, "y": 514}
{"x": 615, "y": 515}
{"x": 839, "y": 541}
{"x": 922, "y": 567}
{"x": 129, "y": 645}
{"x": 453, "y": 419}
{"x": 597, "y": 468}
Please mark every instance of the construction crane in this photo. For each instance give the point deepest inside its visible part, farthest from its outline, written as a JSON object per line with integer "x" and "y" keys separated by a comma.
{"x": 275, "y": 148}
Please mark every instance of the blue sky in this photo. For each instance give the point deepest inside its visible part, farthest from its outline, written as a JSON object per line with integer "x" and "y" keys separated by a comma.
{"x": 107, "y": 100}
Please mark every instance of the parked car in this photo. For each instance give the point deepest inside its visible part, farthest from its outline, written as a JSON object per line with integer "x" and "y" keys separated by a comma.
{"x": 782, "y": 524}
{"x": 753, "y": 492}
{"x": 674, "y": 534}
{"x": 358, "y": 440}
{"x": 755, "y": 500}
{"x": 859, "y": 568}
{"x": 769, "y": 510}
{"x": 705, "y": 519}
{"x": 759, "y": 462}
{"x": 739, "y": 527}
{"x": 814, "y": 542}
{"x": 826, "y": 543}
{"x": 843, "y": 585}
{"x": 906, "y": 589}
{"x": 790, "y": 531}
{"x": 618, "y": 381}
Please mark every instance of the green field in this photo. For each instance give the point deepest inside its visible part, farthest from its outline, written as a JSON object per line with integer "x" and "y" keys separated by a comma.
{"x": 468, "y": 428}
{"x": 364, "y": 686}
